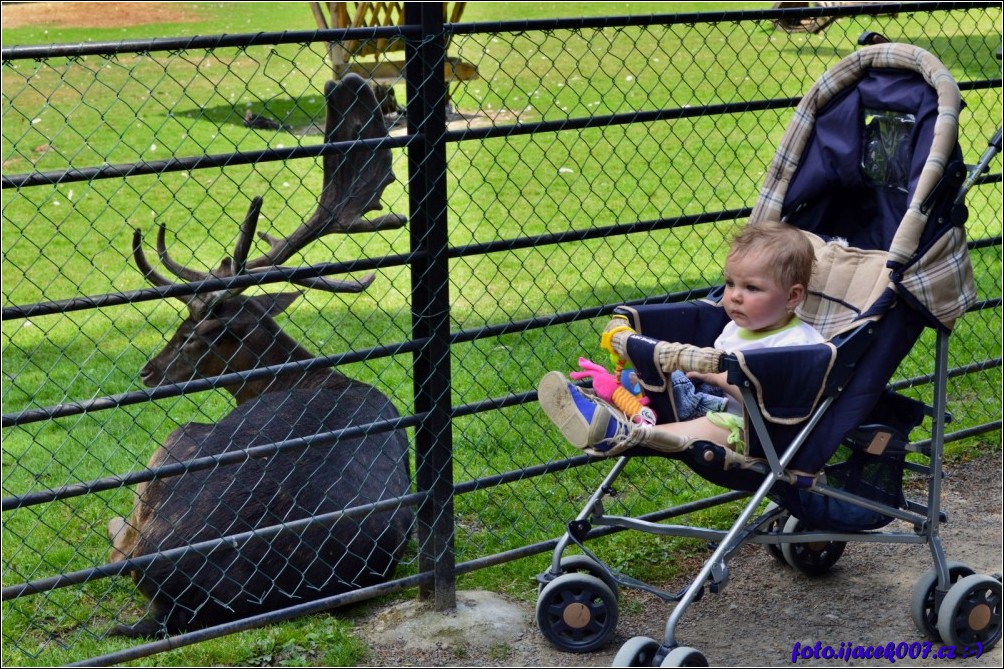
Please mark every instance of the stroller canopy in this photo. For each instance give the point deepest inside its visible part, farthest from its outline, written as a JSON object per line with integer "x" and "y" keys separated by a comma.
{"x": 881, "y": 125}
{"x": 870, "y": 170}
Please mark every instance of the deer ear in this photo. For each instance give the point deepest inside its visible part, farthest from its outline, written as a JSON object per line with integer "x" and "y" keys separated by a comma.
{"x": 275, "y": 303}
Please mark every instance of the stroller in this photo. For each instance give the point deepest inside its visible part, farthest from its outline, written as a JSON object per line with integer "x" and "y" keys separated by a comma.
{"x": 827, "y": 439}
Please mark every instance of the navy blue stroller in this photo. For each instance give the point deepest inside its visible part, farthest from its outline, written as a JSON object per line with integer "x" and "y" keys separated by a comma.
{"x": 870, "y": 169}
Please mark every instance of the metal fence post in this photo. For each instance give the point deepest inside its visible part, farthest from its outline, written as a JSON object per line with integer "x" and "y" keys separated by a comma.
{"x": 430, "y": 301}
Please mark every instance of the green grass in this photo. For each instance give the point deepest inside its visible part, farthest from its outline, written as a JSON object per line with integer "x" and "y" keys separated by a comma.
{"x": 73, "y": 239}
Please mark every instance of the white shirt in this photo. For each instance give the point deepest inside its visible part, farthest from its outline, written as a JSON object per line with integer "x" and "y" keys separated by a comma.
{"x": 795, "y": 333}
{"x": 735, "y": 338}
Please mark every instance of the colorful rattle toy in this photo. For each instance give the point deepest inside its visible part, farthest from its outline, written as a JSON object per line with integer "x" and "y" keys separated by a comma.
{"x": 617, "y": 389}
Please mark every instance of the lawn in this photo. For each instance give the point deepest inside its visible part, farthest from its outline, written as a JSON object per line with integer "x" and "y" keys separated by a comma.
{"x": 73, "y": 239}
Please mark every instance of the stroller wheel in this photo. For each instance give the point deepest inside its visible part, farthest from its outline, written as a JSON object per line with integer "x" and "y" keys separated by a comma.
{"x": 971, "y": 613}
{"x": 583, "y": 564}
{"x": 577, "y": 612}
{"x": 684, "y": 656}
{"x": 923, "y": 603}
{"x": 812, "y": 559}
{"x": 639, "y": 651}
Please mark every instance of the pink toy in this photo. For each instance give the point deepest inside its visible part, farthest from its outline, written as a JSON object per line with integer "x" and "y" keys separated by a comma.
{"x": 608, "y": 387}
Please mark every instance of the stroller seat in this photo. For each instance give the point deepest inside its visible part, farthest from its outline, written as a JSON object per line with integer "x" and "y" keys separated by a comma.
{"x": 871, "y": 171}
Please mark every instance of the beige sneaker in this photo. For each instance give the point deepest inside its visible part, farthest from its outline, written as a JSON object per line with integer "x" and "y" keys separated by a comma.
{"x": 586, "y": 422}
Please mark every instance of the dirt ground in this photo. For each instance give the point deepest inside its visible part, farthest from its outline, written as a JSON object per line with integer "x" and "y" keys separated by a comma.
{"x": 93, "y": 14}
{"x": 755, "y": 621}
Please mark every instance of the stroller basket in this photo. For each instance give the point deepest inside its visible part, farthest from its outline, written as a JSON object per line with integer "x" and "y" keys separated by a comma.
{"x": 877, "y": 478}
{"x": 869, "y": 464}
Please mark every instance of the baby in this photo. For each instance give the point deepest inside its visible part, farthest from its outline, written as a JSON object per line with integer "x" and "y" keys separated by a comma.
{"x": 767, "y": 272}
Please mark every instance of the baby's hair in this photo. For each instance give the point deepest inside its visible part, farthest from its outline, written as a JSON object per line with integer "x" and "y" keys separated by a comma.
{"x": 785, "y": 252}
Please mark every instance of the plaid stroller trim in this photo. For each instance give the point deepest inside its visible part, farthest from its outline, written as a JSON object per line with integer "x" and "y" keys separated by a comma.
{"x": 940, "y": 282}
{"x": 670, "y": 356}
{"x": 845, "y": 283}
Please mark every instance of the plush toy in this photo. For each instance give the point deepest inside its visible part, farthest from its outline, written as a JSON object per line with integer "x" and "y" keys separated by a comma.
{"x": 620, "y": 390}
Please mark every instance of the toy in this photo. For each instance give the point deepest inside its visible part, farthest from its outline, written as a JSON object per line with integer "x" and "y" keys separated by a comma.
{"x": 617, "y": 324}
{"x": 620, "y": 389}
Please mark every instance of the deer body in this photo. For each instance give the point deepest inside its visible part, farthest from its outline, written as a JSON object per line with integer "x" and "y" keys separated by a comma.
{"x": 257, "y": 575}
{"x": 226, "y": 332}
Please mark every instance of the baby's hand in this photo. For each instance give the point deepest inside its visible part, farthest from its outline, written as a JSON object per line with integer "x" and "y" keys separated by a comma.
{"x": 717, "y": 379}
{"x": 616, "y": 325}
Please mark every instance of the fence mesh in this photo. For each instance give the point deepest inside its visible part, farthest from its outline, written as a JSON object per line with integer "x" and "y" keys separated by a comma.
{"x": 585, "y": 167}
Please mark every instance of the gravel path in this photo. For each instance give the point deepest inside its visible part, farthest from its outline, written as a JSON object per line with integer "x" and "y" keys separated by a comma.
{"x": 764, "y": 611}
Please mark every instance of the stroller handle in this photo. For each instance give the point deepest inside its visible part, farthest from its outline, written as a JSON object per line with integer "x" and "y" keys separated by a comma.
{"x": 982, "y": 167}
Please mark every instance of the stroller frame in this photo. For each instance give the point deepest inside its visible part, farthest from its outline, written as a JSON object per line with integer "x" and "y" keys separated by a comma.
{"x": 577, "y": 604}
{"x": 765, "y": 529}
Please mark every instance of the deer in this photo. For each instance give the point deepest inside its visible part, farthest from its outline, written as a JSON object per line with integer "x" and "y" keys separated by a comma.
{"x": 226, "y": 332}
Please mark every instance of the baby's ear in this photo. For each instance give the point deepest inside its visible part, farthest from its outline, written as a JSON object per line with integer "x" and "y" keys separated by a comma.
{"x": 796, "y": 295}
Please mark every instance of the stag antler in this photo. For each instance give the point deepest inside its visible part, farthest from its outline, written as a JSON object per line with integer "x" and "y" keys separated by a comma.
{"x": 353, "y": 184}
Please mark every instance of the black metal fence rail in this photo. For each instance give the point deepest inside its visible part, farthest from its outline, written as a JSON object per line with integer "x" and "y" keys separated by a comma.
{"x": 441, "y": 378}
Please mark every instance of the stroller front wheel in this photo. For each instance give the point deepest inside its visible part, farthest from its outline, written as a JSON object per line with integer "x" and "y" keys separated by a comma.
{"x": 638, "y": 651}
{"x": 971, "y": 613}
{"x": 684, "y": 656}
{"x": 923, "y": 602}
{"x": 577, "y": 612}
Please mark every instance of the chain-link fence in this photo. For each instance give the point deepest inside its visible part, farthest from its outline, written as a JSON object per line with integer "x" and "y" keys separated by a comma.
{"x": 589, "y": 163}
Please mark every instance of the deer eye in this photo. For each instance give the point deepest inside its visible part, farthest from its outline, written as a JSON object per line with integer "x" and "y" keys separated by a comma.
{"x": 193, "y": 340}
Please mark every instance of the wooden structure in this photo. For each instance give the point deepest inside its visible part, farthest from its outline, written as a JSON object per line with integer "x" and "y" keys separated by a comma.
{"x": 812, "y": 24}
{"x": 372, "y": 58}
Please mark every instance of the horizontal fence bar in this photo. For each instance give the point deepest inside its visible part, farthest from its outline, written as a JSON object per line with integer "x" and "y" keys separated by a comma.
{"x": 243, "y": 40}
{"x": 145, "y": 168}
{"x": 370, "y": 592}
{"x": 585, "y": 122}
{"x": 954, "y": 372}
{"x": 201, "y": 384}
{"x": 198, "y": 385}
{"x": 233, "y": 457}
{"x": 184, "y": 289}
{"x": 332, "y": 437}
{"x": 206, "y": 548}
{"x": 321, "y": 439}
{"x": 260, "y": 620}
{"x": 284, "y": 274}
{"x": 537, "y": 25}
{"x": 994, "y": 426}
{"x": 200, "y": 42}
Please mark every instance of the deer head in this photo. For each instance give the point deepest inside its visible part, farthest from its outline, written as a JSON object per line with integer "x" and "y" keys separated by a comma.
{"x": 227, "y": 332}
{"x": 234, "y": 335}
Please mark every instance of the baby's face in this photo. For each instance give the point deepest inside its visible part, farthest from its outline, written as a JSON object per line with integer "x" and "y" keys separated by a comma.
{"x": 754, "y": 300}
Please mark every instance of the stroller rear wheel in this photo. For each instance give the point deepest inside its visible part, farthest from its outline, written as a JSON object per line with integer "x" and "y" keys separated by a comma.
{"x": 971, "y": 613}
{"x": 774, "y": 550}
{"x": 923, "y": 603}
{"x": 813, "y": 558}
{"x": 577, "y": 612}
